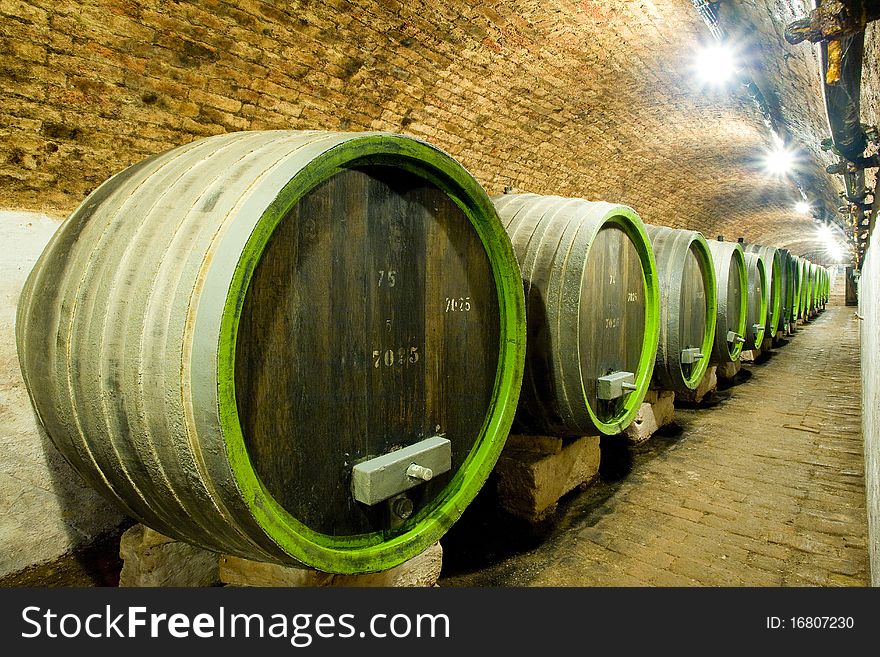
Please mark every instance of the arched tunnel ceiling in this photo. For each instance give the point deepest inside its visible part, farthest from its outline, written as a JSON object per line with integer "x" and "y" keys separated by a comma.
{"x": 590, "y": 98}
{"x": 681, "y": 154}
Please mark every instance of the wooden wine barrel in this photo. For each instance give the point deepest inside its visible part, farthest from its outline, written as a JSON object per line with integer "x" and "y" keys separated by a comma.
{"x": 757, "y": 313}
{"x": 731, "y": 286}
{"x": 592, "y": 305}
{"x": 811, "y": 273}
{"x": 231, "y": 340}
{"x": 688, "y": 307}
{"x": 787, "y": 289}
{"x": 814, "y": 284}
{"x": 806, "y": 289}
{"x": 814, "y": 275}
{"x": 826, "y": 285}
{"x": 809, "y": 276}
{"x": 792, "y": 290}
{"x": 772, "y": 284}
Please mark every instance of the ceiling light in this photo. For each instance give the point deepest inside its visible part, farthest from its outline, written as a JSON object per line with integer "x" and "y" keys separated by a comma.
{"x": 835, "y": 251}
{"x": 802, "y": 207}
{"x": 715, "y": 65}
{"x": 779, "y": 161}
{"x": 828, "y": 239}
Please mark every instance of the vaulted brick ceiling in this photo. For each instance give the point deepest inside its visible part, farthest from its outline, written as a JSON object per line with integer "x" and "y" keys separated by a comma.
{"x": 644, "y": 132}
{"x": 594, "y": 98}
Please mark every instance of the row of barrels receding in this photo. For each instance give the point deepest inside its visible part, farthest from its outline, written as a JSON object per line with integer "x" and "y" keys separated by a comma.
{"x": 310, "y": 347}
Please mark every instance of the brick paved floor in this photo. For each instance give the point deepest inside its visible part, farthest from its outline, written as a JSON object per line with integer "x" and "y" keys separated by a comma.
{"x": 764, "y": 488}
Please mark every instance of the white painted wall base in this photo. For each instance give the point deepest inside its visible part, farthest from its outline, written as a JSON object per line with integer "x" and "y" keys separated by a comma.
{"x": 869, "y": 309}
{"x": 46, "y": 510}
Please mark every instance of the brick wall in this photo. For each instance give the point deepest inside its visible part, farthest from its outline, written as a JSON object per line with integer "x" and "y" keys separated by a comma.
{"x": 588, "y": 98}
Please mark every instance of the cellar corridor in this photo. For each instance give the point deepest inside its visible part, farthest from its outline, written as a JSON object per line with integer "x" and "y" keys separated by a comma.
{"x": 371, "y": 293}
{"x": 763, "y": 486}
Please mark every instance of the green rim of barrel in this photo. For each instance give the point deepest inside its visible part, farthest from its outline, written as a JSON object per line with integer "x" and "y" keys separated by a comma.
{"x": 711, "y": 311}
{"x": 761, "y": 333}
{"x": 629, "y": 221}
{"x": 774, "y": 314}
{"x": 806, "y": 288}
{"x": 814, "y": 276}
{"x": 739, "y": 256}
{"x": 793, "y": 269}
{"x": 383, "y": 549}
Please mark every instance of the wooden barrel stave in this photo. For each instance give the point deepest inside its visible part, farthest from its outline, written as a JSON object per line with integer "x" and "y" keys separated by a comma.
{"x": 731, "y": 302}
{"x": 535, "y": 241}
{"x": 688, "y": 299}
{"x": 561, "y": 245}
{"x": 806, "y": 290}
{"x": 757, "y": 313}
{"x": 773, "y": 284}
{"x": 794, "y": 282}
{"x": 787, "y": 293}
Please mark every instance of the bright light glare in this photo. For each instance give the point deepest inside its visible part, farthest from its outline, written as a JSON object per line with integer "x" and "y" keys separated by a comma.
{"x": 835, "y": 252}
{"x": 715, "y": 65}
{"x": 802, "y": 207}
{"x": 828, "y": 239}
{"x": 779, "y": 161}
{"x": 825, "y": 234}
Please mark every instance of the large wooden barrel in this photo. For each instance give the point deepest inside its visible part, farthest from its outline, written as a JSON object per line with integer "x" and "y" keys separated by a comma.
{"x": 806, "y": 288}
{"x": 826, "y": 280}
{"x": 799, "y": 285}
{"x": 787, "y": 289}
{"x": 814, "y": 285}
{"x": 792, "y": 289}
{"x": 814, "y": 276}
{"x": 811, "y": 292}
{"x": 811, "y": 298}
{"x": 592, "y": 305}
{"x": 731, "y": 286}
{"x": 757, "y": 313}
{"x": 772, "y": 284}
{"x": 247, "y": 341}
{"x": 688, "y": 307}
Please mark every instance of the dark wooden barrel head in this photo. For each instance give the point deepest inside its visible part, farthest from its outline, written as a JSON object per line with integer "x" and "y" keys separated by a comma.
{"x": 693, "y": 304}
{"x": 612, "y": 310}
{"x": 371, "y": 323}
{"x": 734, "y": 300}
